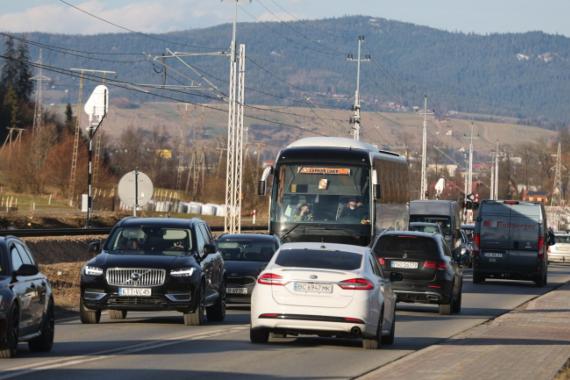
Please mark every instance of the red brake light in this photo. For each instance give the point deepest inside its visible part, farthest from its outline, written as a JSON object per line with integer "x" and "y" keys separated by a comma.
{"x": 541, "y": 247}
{"x": 476, "y": 244}
{"x": 353, "y": 320}
{"x": 511, "y": 202}
{"x": 436, "y": 265}
{"x": 270, "y": 279}
{"x": 356, "y": 284}
{"x": 381, "y": 261}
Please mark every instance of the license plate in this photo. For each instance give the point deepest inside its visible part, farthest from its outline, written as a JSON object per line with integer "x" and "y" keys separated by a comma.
{"x": 494, "y": 254}
{"x": 134, "y": 292}
{"x": 236, "y": 290}
{"x": 404, "y": 264}
{"x": 311, "y": 287}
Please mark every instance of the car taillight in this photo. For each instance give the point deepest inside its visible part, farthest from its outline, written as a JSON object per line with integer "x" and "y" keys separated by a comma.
{"x": 476, "y": 244}
{"x": 356, "y": 284}
{"x": 381, "y": 261}
{"x": 271, "y": 279}
{"x": 541, "y": 247}
{"x": 436, "y": 265}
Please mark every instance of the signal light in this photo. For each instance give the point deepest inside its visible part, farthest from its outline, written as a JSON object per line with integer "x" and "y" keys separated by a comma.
{"x": 381, "y": 261}
{"x": 437, "y": 265}
{"x": 356, "y": 284}
{"x": 271, "y": 279}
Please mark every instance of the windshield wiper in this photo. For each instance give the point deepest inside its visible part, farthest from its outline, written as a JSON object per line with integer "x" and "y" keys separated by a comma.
{"x": 284, "y": 236}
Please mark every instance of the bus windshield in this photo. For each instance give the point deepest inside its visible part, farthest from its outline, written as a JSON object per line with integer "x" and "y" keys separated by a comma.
{"x": 337, "y": 194}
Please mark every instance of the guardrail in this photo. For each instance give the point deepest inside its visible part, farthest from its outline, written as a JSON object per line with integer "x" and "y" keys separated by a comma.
{"x": 41, "y": 232}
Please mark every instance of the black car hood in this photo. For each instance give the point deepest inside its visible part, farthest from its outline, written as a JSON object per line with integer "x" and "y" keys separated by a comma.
{"x": 106, "y": 260}
{"x": 243, "y": 268}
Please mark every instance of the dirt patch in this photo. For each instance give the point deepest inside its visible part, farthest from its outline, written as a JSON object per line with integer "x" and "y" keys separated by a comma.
{"x": 564, "y": 373}
{"x": 65, "y": 282}
{"x": 49, "y": 250}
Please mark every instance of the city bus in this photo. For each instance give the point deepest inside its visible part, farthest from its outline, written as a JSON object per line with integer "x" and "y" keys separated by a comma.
{"x": 332, "y": 189}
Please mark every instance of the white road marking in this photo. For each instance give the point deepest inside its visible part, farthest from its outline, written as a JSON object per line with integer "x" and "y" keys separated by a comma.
{"x": 107, "y": 354}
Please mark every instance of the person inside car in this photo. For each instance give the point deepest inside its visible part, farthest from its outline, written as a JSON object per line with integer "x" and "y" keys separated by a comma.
{"x": 354, "y": 211}
{"x": 303, "y": 213}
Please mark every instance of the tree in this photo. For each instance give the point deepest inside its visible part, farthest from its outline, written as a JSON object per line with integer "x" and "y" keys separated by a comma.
{"x": 11, "y": 104}
{"x": 10, "y": 67}
{"x": 22, "y": 81}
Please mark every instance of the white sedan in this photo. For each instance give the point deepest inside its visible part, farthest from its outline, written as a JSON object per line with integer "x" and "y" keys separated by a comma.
{"x": 327, "y": 290}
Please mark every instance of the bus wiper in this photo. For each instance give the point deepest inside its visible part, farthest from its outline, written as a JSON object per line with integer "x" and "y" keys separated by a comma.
{"x": 284, "y": 236}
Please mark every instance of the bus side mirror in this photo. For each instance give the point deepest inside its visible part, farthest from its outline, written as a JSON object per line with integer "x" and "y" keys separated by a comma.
{"x": 261, "y": 188}
{"x": 376, "y": 186}
{"x": 262, "y": 184}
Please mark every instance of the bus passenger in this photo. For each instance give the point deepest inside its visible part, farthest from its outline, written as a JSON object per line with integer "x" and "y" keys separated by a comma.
{"x": 303, "y": 213}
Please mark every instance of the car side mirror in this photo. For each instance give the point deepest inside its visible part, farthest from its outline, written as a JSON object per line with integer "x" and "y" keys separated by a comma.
{"x": 27, "y": 270}
{"x": 209, "y": 249}
{"x": 94, "y": 246}
{"x": 396, "y": 276}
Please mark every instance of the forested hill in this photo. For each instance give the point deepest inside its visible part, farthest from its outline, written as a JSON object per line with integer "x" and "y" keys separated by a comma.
{"x": 521, "y": 75}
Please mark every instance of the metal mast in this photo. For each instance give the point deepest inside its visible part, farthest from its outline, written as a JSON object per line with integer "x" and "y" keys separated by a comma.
{"x": 355, "y": 120}
{"x": 423, "y": 180}
{"x": 556, "y": 199}
{"x": 38, "y": 106}
{"x": 470, "y": 172}
{"x": 492, "y": 187}
{"x": 497, "y": 158}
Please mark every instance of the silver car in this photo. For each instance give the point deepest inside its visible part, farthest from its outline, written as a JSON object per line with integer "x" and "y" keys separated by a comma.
{"x": 560, "y": 251}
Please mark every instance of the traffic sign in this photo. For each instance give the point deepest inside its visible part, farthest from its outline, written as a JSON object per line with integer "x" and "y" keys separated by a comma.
{"x": 135, "y": 189}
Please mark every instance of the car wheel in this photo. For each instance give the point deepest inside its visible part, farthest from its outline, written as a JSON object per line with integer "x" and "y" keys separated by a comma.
{"x": 478, "y": 278}
{"x": 217, "y": 312}
{"x": 9, "y": 344}
{"x": 198, "y": 316}
{"x": 375, "y": 342}
{"x": 88, "y": 316}
{"x": 456, "y": 309}
{"x": 258, "y": 336}
{"x": 389, "y": 339}
{"x": 541, "y": 280}
{"x": 117, "y": 314}
{"x": 446, "y": 308}
{"x": 44, "y": 342}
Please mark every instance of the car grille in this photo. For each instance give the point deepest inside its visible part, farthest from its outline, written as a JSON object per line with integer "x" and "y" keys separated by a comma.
{"x": 135, "y": 277}
{"x": 246, "y": 280}
{"x": 118, "y": 301}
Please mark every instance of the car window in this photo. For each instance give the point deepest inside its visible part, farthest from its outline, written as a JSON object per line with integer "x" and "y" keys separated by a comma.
{"x": 319, "y": 259}
{"x": 413, "y": 247}
{"x": 565, "y": 239}
{"x": 205, "y": 234}
{"x": 150, "y": 240}
{"x": 199, "y": 240}
{"x": 25, "y": 255}
{"x": 16, "y": 259}
{"x": 247, "y": 250}
{"x": 375, "y": 267}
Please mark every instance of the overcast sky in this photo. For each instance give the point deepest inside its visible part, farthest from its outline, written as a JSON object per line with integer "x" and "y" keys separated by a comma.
{"x": 480, "y": 16}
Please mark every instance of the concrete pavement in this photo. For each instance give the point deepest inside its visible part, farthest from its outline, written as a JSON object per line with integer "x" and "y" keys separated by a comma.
{"x": 531, "y": 342}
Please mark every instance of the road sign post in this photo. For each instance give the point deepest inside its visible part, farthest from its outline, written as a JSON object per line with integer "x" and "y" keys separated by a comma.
{"x": 135, "y": 189}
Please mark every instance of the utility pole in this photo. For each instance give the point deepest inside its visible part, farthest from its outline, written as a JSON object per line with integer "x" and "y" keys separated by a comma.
{"x": 423, "y": 180}
{"x": 557, "y": 186}
{"x": 469, "y": 187}
{"x": 355, "y": 120}
{"x": 38, "y": 106}
{"x": 77, "y": 133}
{"x": 497, "y": 158}
{"x": 492, "y": 187}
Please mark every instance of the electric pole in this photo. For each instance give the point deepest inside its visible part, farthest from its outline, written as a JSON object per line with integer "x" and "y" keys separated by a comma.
{"x": 557, "y": 186}
{"x": 355, "y": 120}
{"x": 497, "y": 158}
{"x": 38, "y": 106}
{"x": 423, "y": 180}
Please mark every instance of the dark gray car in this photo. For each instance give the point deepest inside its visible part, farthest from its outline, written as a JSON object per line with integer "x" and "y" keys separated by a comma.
{"x": 510, "y": 241}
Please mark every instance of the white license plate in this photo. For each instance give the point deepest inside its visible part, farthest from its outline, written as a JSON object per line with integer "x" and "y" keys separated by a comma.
{"x": 236, "y": 290}
{"x": 404, "y": 264}
{"x": 494, "y": 254}
{"x": 311, "y": 287}
{"x": 134, "y": 292}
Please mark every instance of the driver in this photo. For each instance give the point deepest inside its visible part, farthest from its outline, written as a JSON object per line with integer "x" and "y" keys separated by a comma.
{"x": 354, "y": 212}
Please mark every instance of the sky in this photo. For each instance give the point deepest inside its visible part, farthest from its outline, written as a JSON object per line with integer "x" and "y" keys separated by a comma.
{"x": 479, "y": 16}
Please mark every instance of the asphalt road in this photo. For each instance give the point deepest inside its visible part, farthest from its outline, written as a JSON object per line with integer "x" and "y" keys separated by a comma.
{"x": 158, "y": 345}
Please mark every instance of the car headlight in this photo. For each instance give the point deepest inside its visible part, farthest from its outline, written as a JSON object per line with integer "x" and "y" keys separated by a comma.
{"x": 184, "y": 272}
{"x": 92, "y": 271}
{"x": 463, "y": 251}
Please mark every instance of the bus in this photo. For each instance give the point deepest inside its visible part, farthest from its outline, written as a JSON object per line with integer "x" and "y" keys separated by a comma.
{"x": 338, "y": 190}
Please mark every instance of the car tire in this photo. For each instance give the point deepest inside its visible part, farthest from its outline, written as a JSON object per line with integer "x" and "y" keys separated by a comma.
{"x": 478, "y": 278}
{"x": 88, "y": 316}
{"x": 117, "y": 314}
{"x": 258, "y": 336}
{"x": 541, "y": 280}
{"x": 445, "y": 308}
{"x": 389, "y": 339}
{"x": 217, "y": 312}
{"x": 9, "y": 343}
{"x": 44, "y": 342}
{"x": 375, "y": 342}
{"x": 456, "y": 305}
{"x": 198, "y": 316}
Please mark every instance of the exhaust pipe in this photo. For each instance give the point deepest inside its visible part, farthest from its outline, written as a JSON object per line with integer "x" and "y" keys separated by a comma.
{"x": 356, "y": 331}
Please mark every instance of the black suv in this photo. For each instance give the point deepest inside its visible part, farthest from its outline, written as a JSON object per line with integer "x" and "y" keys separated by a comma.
{"x": 431, "y": 274}
{"x": 155, "y": 264}
{"x": 26, "y": 302}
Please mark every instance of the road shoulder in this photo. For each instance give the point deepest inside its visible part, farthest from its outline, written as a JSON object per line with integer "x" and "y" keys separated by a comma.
{"x": 530, "y": 342}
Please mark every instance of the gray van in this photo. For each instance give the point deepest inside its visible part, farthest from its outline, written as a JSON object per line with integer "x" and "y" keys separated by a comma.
{"x": 445, "y": 213}
{"x": 510, "y": 241}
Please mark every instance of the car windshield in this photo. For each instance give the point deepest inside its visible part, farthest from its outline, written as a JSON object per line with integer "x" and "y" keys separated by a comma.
{"x": 427, "y": 228}
{"x": 565, "y": 239}
{"x": 443, "y": 221}
{"x": 150, "y": 240}
{"x": 406, "y": 246}
{"x": 247, "y": 250}
{"x": 319, "y": 259}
